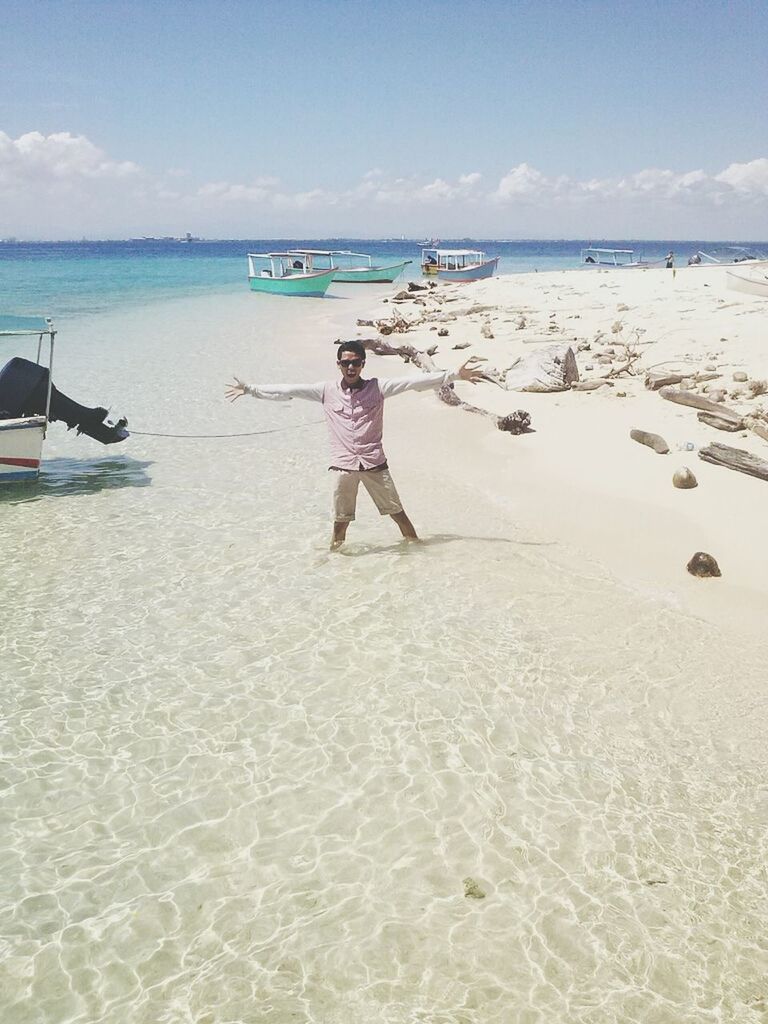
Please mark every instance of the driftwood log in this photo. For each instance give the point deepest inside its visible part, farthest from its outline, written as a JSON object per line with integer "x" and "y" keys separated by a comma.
{"x": 655, "y": 379}
{"x": 407, "y": 352}
{"x": 518, "y": 422}
{"x": 654, "y": 441}
{"x": 729, "y": 421}
{"x": 713, "y": 413}
{"x": 735, "y": 458}
{"x": 759, "y": 427}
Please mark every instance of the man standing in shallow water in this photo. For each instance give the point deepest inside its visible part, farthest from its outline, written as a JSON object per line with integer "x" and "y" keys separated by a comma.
{"x": 354, "y": 413}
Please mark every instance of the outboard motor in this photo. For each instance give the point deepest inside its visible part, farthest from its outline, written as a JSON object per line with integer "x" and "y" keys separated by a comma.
{"x": 24, "y": 392}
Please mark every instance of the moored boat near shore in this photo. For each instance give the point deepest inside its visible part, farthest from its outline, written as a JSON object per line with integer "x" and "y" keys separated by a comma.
{"x": 751, "y": 279}
{"x": 286, "y": 273}
{"x": 596, "y": 257}
{"x": 458, "y": 264}
{"x": 28, "y": 401}
{"x": 352, "y": 267}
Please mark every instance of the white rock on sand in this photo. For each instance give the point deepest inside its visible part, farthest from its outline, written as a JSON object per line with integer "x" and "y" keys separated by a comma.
{"x": 578, "y": 477}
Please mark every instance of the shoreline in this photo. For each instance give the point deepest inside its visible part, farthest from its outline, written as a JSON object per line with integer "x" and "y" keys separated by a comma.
{"x": 578, "y": 477}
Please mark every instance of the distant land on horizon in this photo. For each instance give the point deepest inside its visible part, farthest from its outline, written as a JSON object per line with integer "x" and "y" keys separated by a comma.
{"x": 12, "y": 240}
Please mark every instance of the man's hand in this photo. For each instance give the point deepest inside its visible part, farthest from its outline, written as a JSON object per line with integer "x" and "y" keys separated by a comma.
{"x": 235, "y": 390}
{"x": 471, "y": 371}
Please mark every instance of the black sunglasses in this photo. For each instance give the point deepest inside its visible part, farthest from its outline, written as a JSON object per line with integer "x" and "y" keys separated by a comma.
{"x": 351, "y": 362}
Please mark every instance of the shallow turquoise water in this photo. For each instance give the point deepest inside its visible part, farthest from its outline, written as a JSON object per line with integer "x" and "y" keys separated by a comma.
{"x": 244, "y": 780}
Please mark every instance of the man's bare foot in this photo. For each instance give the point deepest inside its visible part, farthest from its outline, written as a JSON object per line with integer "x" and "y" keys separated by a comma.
{"x": 336, "y": 544}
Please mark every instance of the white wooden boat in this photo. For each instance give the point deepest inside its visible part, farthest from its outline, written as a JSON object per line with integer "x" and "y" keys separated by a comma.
{"x": 458, "y": 264}
{"x": 751, "y": 279}
{"x": 597, "y": 257}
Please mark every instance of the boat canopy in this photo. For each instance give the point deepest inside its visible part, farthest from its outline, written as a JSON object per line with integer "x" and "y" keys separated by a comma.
{"x": 331, "y": 254}
{"x": 458, "y": 252}
{"x": 17, "y": 326}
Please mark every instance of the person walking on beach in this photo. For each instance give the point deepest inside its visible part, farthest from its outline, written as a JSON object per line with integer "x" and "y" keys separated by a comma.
{"x": 354, "y": 414}
{"x": 670, "y": 261}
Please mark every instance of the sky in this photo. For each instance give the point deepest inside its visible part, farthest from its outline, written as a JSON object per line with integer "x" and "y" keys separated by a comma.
{"x": 323, "y": 118}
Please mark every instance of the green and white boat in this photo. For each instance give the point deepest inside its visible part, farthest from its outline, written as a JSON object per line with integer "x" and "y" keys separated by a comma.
{"x": 352, "y": 267}
{"x": 286, "y": 273}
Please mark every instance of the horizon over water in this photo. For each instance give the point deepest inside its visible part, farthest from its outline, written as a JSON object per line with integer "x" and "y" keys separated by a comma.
{"x": 244, "y": 781}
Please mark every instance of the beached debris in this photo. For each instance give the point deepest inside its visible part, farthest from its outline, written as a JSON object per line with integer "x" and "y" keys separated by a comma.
{"x": 591, "y": 385}
{"x": 703, "y": 565}
{"x": 740, "y": 377}
{"x": 684, "y": 478}
{"x": 461, "y": 344}
{"x": 472, "y": 890}
{"x": 414, "y": 287}
{"x": 478, "y": 308}
{"x": 697, "y": 402}
{"x": 654, "y": 441}
{"x": 486, "y": 330}
{"x": 735, "y": 458}
{"x": 655, "y": 379}
{"x": 422, "y": 359}
{"x": 731, "y": 422}
{"x": 715, "y": 394}
{"x": 518, "y": 422}
{"x": 443, "y": 332}
{"x": 757, "y": 426}
{"x": 757, "y": 387}
{"x": 547, "y": 369}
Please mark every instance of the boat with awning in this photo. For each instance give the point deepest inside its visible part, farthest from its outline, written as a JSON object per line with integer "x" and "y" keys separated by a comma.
{"x": 458, "y": 264}
{"x": 353, "y": 267}
{"x": 287, "y": 273}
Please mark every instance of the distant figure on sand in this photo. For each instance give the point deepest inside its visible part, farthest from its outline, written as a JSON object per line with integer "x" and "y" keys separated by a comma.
{"x": 354, "y": 414}
{"x": 670, "y": 260}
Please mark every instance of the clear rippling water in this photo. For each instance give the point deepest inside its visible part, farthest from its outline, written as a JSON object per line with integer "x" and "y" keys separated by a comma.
{"x": 244, "y": 780}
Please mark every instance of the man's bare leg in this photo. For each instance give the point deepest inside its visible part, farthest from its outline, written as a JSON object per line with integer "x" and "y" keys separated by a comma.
{"x": 339, "y": 533}
{"x": 406, "y": 526}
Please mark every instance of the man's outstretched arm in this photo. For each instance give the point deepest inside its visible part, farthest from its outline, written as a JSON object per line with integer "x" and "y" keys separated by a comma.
{"x": 469, "y": 371}
{"x": 274, "y": 392}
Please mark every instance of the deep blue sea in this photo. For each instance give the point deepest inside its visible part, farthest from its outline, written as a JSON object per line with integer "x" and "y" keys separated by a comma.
{"x": 64, "y": 279}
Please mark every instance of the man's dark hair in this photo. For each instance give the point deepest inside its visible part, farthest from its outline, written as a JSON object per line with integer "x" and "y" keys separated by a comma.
{"x": 351, "y": 346}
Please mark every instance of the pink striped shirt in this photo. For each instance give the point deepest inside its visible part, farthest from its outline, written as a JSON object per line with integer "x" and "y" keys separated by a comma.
{"x": 354, "y": 416}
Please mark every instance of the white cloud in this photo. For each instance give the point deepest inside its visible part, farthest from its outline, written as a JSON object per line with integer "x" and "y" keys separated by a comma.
{"x": 750, "y": 178}
{"x": 56, "y": 158}
{"x": 64, "y": 185}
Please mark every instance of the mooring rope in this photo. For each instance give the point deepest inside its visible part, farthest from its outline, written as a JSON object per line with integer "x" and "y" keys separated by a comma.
{"x": 250, "y": 433}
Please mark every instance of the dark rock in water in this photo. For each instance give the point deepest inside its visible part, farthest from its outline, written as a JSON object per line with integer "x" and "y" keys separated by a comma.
{"x": 472, "y": 890}
{"x": 518, "y": 422}
{"x": 703, "y": 565}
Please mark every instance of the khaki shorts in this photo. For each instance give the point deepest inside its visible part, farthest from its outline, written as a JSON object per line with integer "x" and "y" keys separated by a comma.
{"x": 379, "y": 485}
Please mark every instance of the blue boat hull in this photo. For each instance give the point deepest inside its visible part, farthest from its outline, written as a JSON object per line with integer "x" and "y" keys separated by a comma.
{"x": 474, "y": 273}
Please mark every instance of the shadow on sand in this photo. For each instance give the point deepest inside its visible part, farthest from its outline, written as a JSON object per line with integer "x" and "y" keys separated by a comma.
{"x": 357, "y": 549}
{"x": 61, "y": 477}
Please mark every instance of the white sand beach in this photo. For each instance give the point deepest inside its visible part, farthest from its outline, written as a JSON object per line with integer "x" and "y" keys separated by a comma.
{"x": 578, "y": 477}
{"x": 515, "y": 772}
